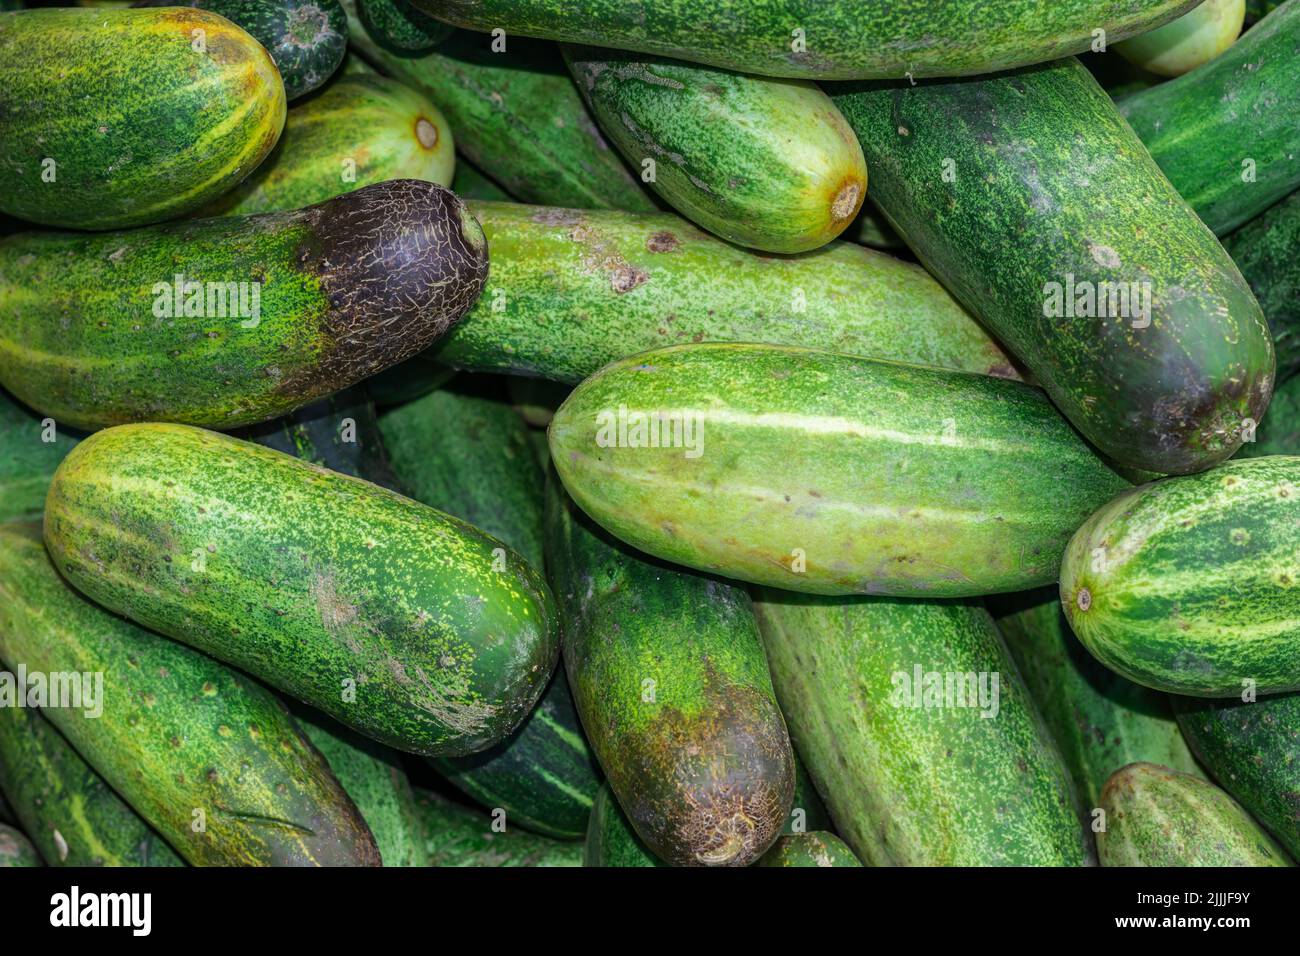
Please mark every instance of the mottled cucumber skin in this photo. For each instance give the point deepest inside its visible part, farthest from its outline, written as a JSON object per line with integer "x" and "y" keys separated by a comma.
{"x": 29, "y": 460}
{"x": 572, "y": 291}
{"x": 866, "y": 39}
{"x": 1189, "y": 585}
{"x": 668, "y": 675}
{"x": 1279, "y": 432}
{"x": 397, "y": 26}
{"x": 139, "y": 125}
{"x": 1192, "y": 40}
{"x": 1006, "y": 184}
{"x": 15, "y": 849}
{"x": 183, "y": 739}
{"x": 345, "y": 288}
{"x": 1252, "y": 749}
{"x": 769, "y": 164}
{"x": 458, "y": 836}
{"x": 1225, "y": 134}
{"x": 72, "y": 815}
{"x": 611, "y": 841}
{"x": 826, "y": 473}
{"x": 1264, "y": 250}
{"x": 1159, "y": 817}
{"x": 918, "y": 786}
{"x": 399, "y": 621}
{"x": 809, "y": 849}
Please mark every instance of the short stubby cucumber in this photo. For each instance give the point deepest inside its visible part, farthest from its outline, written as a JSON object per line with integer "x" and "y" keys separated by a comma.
{"x": 115, "y": 118}
{"x": 1195, "y": 38}
{"x": 769, "y": 164}
{"x": 611, "y": 841}
{"x": 827, "y": 473}
{"x": 15, "y": 849}
{"x": 809, "y": 849}
{"x": 458, "y": 836}
{"x": 33, "y": 449}
{"x": 397, "y": 620}
{"x": 1190, "y": 585}
{"x": 1032, "y": 200}
{"x": 1264, "y": 250}
{"x": 229, "y": 321}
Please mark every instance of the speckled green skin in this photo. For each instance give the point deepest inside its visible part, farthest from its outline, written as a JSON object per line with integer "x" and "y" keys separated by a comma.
{"x": 1253, "y": 751}
{"x": 809, "y": 849}
{"x": 1279, "y": 432}
{"x": 458, "y": 836}
{"x": 865, "y": 39}
{"x": 15, "y": 849}
{"x": 180, "y": 732}
{"x": 668, "y": 675}
{"x": 578, "y": 290}
{"x": 1241, "y": 105}
{"x": 766, "y": 163}
{"x": 1265, "y": 252}
{"x": 67, "y": 808}
{"x": 1099, "y": 720}
{"x": 928, "y": 786}
{"x": 832, "y": 474}
{"x": 311, "y": 580}
{"x": 1197, "y": 588}
{"x": 348, "y": 287}
{"x": 28, "y": 461}
{"x": 140, "y": 126}
{"x": 1159, "y": 817}
{"x": 397, "y": 26}
{"x": 611, "y": 841}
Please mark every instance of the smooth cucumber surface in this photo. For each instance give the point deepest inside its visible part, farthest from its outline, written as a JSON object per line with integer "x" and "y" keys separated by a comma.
{"x": 809, "y": 849}
{"x": 98, "y": 330}
{"x": 458, "y": 836}
{"x": 397, "y": 620}
{"x": 112, "y": 118}
{"x": 29, "y": 460}
{"x": 820, "y": 472}
{"x": 611, "y": 841}
{"x": 1265, "y": 252}
{"x": 1279, "y": 432}
{"x": 1195, "y": 38}
{"x": 1188, "y": 585}
{"x": 15, "y": 849}
{"x": 1023, "y": 193}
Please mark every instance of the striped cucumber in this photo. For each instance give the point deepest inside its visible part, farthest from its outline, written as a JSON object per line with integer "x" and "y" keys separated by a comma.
{"x": 15, "y": 849}
{"x": 1265, "y": 251}
{"x": 399, "y": 621}
{"x": 33, "y": 449}
{"x": 1189, "y": 585}
{"x": 458, "y": 836}
{"x": 397, "y": 26}
{"x": 611, "y": 841}
{"x": 226, "y": 322}
{"x": 809, "y": 849}
{"x": 1030, "y": 198}
{"x": 114, "y": 118}
{"x": 1279, "y": 432}
{"x": 1195, "y": 38}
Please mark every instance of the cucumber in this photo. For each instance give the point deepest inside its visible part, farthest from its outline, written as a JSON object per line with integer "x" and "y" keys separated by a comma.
{"x": 918, "y": 786}
{"x": 111, "y": 118}
{"x": 1258, "y": 9}
{"x": 830, "y": 474}
{"x": 360, "y": 130}
{"x": 871, "y": 228}
{"x": 400, "y": 622}
{"x": 611, "y": 841}
{"x": 1264, "y": 250}
{"x": 1253, "y": 751}
{"x": 808, "y": 813}
{"x": 471, "y": 182}
{"x": 458, "y": 836}
{"x": 1016, "y": 164}
{"x": 826, "y": 41}
{"x": 327, "y": 295}
{"x": 15, "y": 849}
{"x": 668, "y": 675}
{"x": 1196, "y": 37}
{"x": 29, "y": 459}
{"x": 809, "y": 849}
{"x": 1279, "y": 432}
{"x": 1188, "y": 585}
{"x": 71, "y": 814}
{"x": 208, "y": 758}
{"x": 572, "y": 291}
{"x": 768, "y": 164}
{"x": 1099, "y": 720}
{"x": 1159, "y": 817}
{"x": 397, "y": 26}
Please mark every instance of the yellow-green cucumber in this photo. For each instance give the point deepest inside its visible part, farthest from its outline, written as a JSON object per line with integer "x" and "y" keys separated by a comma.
{"x": 1196, "y": 37}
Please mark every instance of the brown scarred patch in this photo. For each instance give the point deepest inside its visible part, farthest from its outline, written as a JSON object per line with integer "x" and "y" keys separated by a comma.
{"x": 663, "y": 241}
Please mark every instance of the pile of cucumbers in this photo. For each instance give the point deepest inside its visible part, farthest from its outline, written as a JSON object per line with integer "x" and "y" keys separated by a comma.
{"x": 621, "y": 433}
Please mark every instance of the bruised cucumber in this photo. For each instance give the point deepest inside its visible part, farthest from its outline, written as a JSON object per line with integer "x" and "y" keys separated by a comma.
{"x": 15, "y": 849}
{"x": 809, "y": 849}
{"x": 33, "y": 449}
{"x": 458, "y": 836}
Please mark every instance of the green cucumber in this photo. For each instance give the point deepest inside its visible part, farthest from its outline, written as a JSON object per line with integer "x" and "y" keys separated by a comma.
{"x": 808, "y": 813}
{"x": 207, "y": 757}
{"x": 33, "y": 449}
{"x": 1265, "y": 251}
{"x": 765, "y": 163}
{"x": 1195, "y": 38}
{"x": 909, "y": 784}
{"x": 15, "y": 849}
{"x": 1030, "y": 198}
{"x": 1279, "y": 432}
{"x": 470, "y": 182}
{"x": 611, "y": 841}
{"x": 1160, "y": 817}
{"x": 399, "y": 621}
{"x": 669, "y": 679}
{"x": 1189, "y": 585}
{"x": 809, "y": 849}
{"x": 291, "y": 306}
{"x": 572, "y": 291}
{"x": 1225, "y": 134}
{"x": 113, "y": 118}
{"x": 69, "y": 811}
{"x": 827, "y": 41}
{"x": 397, "y": 26}
{"x": 826, "y": 473}
{"x": 458, "y": 836}
{"x": 1259, "y": 9}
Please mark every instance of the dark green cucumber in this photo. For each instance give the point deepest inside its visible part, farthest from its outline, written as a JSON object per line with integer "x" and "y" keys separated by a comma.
{"x": 327, "y": 295}
{"x": 1253, "y": 751}
{"x": 1226, "y": 133}
{"x": 809, "y": 849}
{"x": 1279, "y": 432}
{"x": 458, "y": 836}
{"x": 669, "y": 679}
{"x": 33, "y": 449}
{"x": 769, "y": 164}
{"x": 1189, "y": 585}
{"x": 408, "y": 380}
{"x": 611, "y": 841}
{"x": 1028, "y": 196}
{"x": 572, "y": 291}
{"x": 399, "y": 621}
{"x": 808, "y": 813}
{"x": 400, "y": 28}
{"x": 1159, "y": 817}
{"x": 470, "y": 182}
{"x": 114, "y": 118}
{"x": 820, "y": 472}
{"x": 1258, "y": 9}
{"x": 1265, "y": 251}
{"x": 909, "y": 778}
{"x": 827, "y": 41}
{"x": 206, "y": 756}
{"x": 69, "y": 811}
{"x": 15, "y": 849}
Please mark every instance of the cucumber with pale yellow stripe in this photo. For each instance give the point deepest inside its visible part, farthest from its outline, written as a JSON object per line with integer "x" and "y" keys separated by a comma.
{"x": 114, "y": 118}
